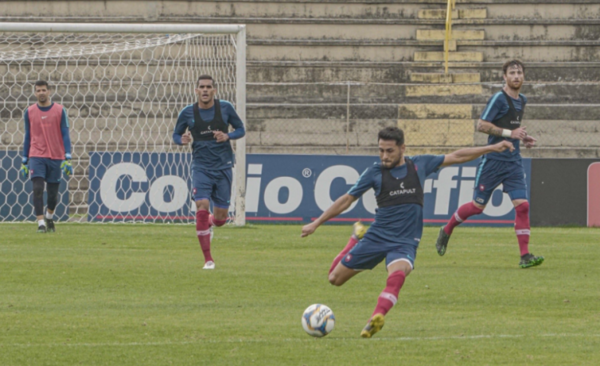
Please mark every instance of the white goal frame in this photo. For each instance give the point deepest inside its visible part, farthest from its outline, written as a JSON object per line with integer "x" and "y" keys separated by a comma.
{"x": 234, "y": 29}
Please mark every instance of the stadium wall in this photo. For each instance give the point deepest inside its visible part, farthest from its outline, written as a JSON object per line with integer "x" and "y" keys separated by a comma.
{"x": 565, "y": 192}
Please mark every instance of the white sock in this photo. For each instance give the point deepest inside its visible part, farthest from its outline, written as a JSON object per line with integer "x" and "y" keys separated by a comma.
{"x": 41, "y": 223}
{"x": 49, "y": 215}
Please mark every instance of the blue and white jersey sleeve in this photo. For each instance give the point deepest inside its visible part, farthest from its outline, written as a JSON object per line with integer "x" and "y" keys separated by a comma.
{"x": 365, "y": 182}
{"x": 64, "y": 129}
{"x": 427, "y": 164}
{"x": 182, "y": 123}
{"x": 494, "y": 108}
{"x": 232, "y": 119}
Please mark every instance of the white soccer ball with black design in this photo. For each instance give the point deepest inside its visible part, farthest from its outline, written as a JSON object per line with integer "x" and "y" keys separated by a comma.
{"x": 318, "y": 320}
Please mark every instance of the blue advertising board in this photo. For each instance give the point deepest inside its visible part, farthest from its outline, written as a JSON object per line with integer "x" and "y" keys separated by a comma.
{"x": 140, "y": 187}
{"x": 279, "y": 188}
{"x": 16, "y": 202}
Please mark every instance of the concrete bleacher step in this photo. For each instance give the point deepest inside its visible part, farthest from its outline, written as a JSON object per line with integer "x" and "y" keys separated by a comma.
{"x": 445, "y": 78}
{"x": 399, "y": 72}
{"x": 440, "y": 34}
{"x": 471, "y": 13}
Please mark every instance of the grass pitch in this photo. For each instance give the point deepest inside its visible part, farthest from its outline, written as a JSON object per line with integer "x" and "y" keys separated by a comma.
{"x": 137, "y": 295}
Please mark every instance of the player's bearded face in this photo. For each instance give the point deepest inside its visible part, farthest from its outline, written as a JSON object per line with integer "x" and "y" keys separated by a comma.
{"x": 42, "y": 94}
{"x": 514, "y": 77}
{"x": 205, "y": 91}
{"x": 390, "y": 153}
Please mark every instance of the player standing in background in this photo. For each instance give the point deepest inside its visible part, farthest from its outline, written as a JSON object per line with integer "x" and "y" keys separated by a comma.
{"x": 208, "y": 121}
{"x": 398, "y": 227}
{"x": 46, "y": 151}
{"x": 501, "y": 120}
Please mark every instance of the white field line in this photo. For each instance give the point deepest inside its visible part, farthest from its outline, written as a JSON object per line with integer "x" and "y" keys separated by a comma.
{"x": 298, "y": 340}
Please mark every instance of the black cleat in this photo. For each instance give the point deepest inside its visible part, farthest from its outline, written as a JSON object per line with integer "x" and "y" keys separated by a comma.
{"x": 442, "y": 242}
{"x": 41, "y": 229}
{"x": 50, "y": 226}
{"x": 530, "y": 260}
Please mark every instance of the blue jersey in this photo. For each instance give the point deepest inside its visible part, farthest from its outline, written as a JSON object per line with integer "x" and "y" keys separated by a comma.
{"x": 211, "y": 155}
{"x": 497, "y": 107}
{"x": 401, "y": 224}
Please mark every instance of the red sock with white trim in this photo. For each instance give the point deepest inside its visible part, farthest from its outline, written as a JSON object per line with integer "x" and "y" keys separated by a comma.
{"x": 351, "y": 244}
{"x": 388, "y": 298}
{"x": 464, "y": 212}
{"x": 522, "y": 227}
{"x": 203, "y": 233}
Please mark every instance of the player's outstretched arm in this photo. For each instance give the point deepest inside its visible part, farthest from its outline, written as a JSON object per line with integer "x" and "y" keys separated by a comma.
{"x": 472, "y": 153}
{"x": 340, "y": 205}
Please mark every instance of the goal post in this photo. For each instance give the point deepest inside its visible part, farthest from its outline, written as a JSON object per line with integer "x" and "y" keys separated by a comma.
{"x": 123, "y": 86}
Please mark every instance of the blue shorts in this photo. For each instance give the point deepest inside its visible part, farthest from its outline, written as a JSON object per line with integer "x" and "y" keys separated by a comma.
{"x": 492, "y": 173}
{"x": 46, "y": 168}
{"x": 367, "y": 254}
{"x": 213, "y": 185}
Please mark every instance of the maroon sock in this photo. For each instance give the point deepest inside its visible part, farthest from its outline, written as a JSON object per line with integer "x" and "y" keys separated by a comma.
{"x": 389, "y": 296}
{"x": 464, "y": 212}
{"x": 203, "y": 233}
{"x": 351, "y": 243}
{"x": 522, "y": 228}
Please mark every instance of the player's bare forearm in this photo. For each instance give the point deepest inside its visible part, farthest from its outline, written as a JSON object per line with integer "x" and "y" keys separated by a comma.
{"x": 340, "y": 205}
{"x": 472, "y": 153}
{"x": 488, "y": 128}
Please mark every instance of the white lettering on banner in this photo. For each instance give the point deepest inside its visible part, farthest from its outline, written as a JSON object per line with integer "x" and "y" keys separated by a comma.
{"x": 323, "y": 184}
{"x": 370, "y": 201}
{"x": 272, "y": 195}
{"x": 444, "y": 185}
{"x": 253, "y": 187}
{"x": 466, "y": 186}
{"x": 157, "y": 193}
{"x": 108, "y": 187}
{"x": 108, "y": 190}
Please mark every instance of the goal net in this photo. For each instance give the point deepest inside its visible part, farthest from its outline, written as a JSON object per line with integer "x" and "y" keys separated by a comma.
{"x": 123, "y": 86}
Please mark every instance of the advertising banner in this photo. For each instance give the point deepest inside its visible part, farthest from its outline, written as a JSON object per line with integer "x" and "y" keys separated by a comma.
{"x": 279, "y": 188}
{"x": 16, "y": 200}
{"x": 565, "y": 192}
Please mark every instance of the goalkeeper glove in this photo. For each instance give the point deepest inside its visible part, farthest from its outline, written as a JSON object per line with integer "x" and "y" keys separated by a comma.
{"x": 24, "y": 168}
{"x": 67, "y": 168}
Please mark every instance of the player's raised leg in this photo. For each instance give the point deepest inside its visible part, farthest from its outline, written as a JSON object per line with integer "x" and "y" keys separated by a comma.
{"x": 358, "y": 231}
{"x": 398, "y": 268}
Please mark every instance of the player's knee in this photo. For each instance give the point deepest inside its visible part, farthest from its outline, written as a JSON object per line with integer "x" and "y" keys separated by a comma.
{"x": 523, "y": 208}
{"x": 218, "y": 222}
{"x": 335, "y": 279}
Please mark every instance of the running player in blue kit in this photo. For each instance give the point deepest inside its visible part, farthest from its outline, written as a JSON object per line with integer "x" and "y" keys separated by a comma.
{"x": 208, "y": 121}
{"x": 398, "y": 227}
{"x": 501, "y": 120}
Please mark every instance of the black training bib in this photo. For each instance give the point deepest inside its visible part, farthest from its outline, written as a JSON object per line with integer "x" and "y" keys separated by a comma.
{"x": 202, "y": 130}
{"x": 400, "y": 191}
{"x": 512, "y": 119}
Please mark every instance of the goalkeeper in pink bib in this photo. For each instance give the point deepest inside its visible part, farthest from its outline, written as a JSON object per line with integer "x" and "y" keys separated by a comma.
{"x": 46, "y": 152}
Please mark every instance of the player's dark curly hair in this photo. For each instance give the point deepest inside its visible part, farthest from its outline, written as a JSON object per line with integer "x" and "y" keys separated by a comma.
{"x": 206, "y": 77}
{"x": 510, "y": 63}
{"x": 42, "y": 83}
{"x": 391, "y": 133}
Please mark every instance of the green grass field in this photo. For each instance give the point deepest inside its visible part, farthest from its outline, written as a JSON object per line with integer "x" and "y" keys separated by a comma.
{"x": 137, "y": 295}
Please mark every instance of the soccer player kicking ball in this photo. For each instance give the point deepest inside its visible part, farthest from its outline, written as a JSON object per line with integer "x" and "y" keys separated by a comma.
{"x": 46, "y": 151}
{"x": 396, "y": 232}
{"x": 501, "y": 120}
{"x": 208, "y": 121}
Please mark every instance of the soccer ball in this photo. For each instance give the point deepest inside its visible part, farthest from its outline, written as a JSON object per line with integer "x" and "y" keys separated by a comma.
{"x": 318, "y": 320}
